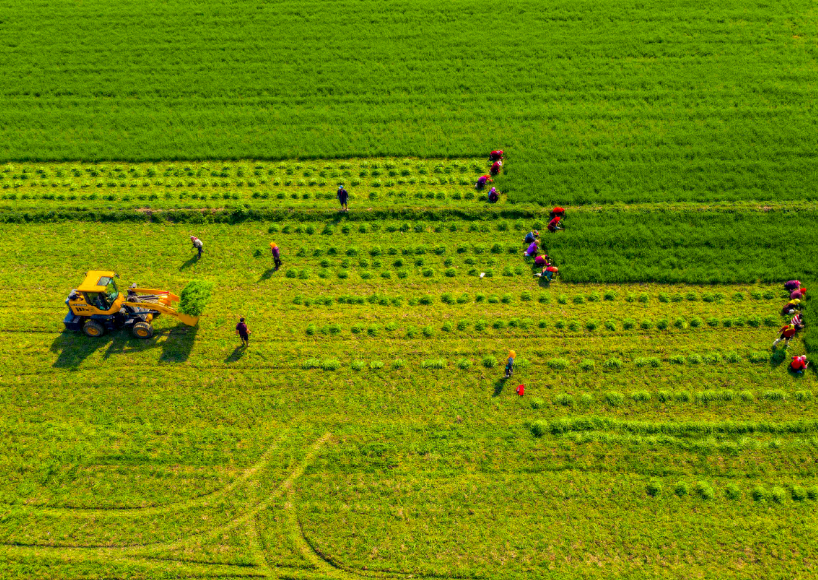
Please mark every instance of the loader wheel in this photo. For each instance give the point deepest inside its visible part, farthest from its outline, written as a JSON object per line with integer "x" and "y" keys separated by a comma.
{"x": 93, "y": 329}
{"x": 142, "y": 330}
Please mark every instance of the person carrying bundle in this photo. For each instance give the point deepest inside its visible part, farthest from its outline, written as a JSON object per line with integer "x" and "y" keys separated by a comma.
{"x": 785, "y": 334}
{"x": 482, "y": 181}
{"x": 554, "y": 224}
{"x": 799, "y": 364}
{"x": 496, "y": 155}
{"x": 493, "y": 195}
{"x": 496, "y": 167}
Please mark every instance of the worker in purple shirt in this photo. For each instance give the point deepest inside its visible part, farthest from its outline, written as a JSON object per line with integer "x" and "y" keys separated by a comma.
{"x": 343, "y": 196}
{"x": 276, "y": 254}
{"x": 243, "y": 332}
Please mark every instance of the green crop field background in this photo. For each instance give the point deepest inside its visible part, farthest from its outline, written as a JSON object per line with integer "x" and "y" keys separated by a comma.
{"x": 367, "y": 430}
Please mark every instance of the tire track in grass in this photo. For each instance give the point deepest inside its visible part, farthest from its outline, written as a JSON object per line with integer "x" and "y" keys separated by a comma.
{"x": 248, "y": 473}
{"x": 329, "y": 565}
{"x": 32, "y": 550}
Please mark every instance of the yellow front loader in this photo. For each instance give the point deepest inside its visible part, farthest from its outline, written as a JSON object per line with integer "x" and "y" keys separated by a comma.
{"x": 97, "y": 306}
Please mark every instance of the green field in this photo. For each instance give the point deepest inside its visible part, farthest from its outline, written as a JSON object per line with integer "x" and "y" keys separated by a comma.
{"x": 367, "y": 431}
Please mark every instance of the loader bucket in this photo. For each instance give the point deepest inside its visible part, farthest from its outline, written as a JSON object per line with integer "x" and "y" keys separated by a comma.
{"x": 187, "y": 319}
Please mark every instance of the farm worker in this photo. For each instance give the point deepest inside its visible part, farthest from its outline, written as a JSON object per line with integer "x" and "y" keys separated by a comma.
{"x": 276, "y": 254}
{"x": 197, "y": 243}
{"x": 799, "y": 294}
{"x": 540, "y": 261}
{"x": 532, "y": 249}
{"x": 510, "y": 362}
{"x": 496, "y": 167}
{"x": 493, "y": 195}
{"x": 792, "y": 285}
{"x": 482, "y": 181}
{"x": 243, "y": 332}
{"x": 791, "y": 306}
{"x": 496, "y": 155}
{"x": 785, "y": 334}
{"x": 557, "y": 211}
{"x": 554, "y": 224}
{"x": 799, "y": 364}
{"x": 797, "y": 322}
{"x": 550, "y": 271}
{"x": 343, "y": 196}
{"x": 531, "y": 236}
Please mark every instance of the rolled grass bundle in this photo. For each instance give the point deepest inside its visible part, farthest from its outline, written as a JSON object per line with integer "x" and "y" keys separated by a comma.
{"x": 194, "y": 297}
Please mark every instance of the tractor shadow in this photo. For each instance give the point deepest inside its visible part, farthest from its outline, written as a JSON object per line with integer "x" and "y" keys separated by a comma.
{"x": 189, "y": 263}
{"x": 74, "y": 347}
{"x": 236, "y": 355}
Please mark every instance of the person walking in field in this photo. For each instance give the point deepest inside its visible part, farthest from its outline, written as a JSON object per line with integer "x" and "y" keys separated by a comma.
{"x": 510, "y": 363}
{"x": 276, "y": 254}
{"x": 496, "y": 155}
{"x": 243, "y": 332}
{"x": 343, "y": 197}
{"x": 197, "y": 243}
{"x": 799, "y": 364}
{"x": 785, "y": 334}
{"x": 482, "y": 181}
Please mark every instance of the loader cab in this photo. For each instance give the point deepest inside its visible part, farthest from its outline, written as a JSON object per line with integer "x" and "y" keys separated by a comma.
{"x": 97, "y": 294}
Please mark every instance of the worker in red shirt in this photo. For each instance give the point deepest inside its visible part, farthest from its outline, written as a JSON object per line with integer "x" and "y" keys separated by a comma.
{"x": 799, "y": 364}
{"x": 785, "y": 334}
{"x": 496, "y": 167}
{"x": 482, "y": 181}
{"x": 496, "y": 155}
{"x": 554, "y": 224}
{"x": 557, "y": 211}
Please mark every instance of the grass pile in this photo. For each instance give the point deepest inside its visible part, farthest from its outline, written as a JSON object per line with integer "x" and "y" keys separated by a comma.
{"x": 195, "y": 297}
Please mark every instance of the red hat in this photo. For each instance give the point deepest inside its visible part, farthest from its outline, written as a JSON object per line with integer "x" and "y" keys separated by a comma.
{"x": 521, "y": 390}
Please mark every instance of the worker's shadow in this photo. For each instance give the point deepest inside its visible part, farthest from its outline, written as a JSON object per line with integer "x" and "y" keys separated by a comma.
{"x": 499, "y": 384}
{"x": 236, "y": 355}
{"x": 75, "y": 347}
{"x": 268, "y": 274}
{"x": 543, "y": 282}
{"x": 189, "y": 263}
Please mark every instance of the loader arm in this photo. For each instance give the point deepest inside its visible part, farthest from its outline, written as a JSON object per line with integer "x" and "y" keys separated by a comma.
{"x": 166, "y": 309}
